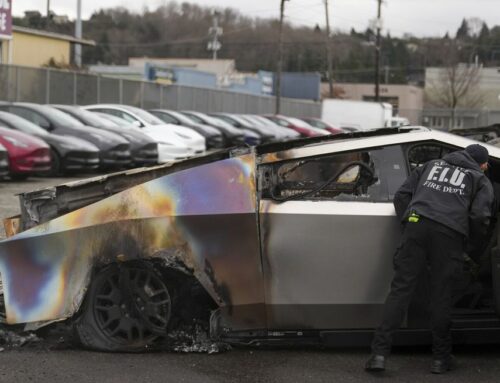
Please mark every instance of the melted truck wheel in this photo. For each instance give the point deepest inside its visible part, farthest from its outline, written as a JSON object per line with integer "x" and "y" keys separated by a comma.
{"x": 127, "y": 307}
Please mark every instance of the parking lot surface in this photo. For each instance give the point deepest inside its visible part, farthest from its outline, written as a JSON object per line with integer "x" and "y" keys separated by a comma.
{"x": 49, "y": 361}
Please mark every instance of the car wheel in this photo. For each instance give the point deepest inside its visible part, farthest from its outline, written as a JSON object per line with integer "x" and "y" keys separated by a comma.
{"x": 126, "y": 308}
{"x": 55, "y": 164}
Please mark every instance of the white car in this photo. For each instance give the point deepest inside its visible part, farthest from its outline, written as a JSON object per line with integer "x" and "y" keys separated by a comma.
{"x": 174, "y": 142}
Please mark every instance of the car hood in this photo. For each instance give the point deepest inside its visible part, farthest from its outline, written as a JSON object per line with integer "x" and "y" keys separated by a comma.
{"x": 102, "y": 139}
{"x": 15, "y": 139}
{"x": 182, "y": 132}
{"x": 70, "y": 142}
{"x": 134, "y": 136}
{"x": 160, "y": 134}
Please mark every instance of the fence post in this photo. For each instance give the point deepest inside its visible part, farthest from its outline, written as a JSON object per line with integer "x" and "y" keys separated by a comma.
{"x": 161, "y": 96}
{"x": 142, "y": 94}
{"x": 120, "y": 89}
{"x": 98, "y": 88}
{"x": 74, "y": 89}
{"x": 18, "y": 85}
{"x": 47, "y": 86}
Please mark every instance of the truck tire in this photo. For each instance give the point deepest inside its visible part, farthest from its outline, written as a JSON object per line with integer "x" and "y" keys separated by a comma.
{"x": 127, "y": 307}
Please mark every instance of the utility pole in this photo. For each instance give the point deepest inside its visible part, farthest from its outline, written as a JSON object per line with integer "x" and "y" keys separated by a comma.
{"x": 377, "y": 52}
{"x": 214, "y": 33}
{"x": 78, "y": 33}
{"x": 48, "y": 15}
{"x": 329, "y": 51}
{"x": 280, "y": 58}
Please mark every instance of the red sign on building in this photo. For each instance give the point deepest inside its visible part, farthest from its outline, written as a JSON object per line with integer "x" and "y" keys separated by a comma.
{"x": 5, "y": 19}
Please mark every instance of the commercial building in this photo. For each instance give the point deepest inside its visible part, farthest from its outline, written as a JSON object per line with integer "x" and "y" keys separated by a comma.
{"x": 479, "y": 104}
{"x": 220, "y": 68}
{"x": 406, "y": 100}
{"x": 35, "y": 48}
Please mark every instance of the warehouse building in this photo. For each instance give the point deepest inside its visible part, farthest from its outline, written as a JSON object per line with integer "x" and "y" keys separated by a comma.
{"x": 36, "y": 48}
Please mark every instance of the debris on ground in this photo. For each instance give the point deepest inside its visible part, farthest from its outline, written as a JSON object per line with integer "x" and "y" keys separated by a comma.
{"x": 12, "y": 339}
{"x": 192, "y": 339}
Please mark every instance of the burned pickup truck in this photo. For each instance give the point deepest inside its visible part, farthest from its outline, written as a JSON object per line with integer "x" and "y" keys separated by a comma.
{"x": 290, "y": 242}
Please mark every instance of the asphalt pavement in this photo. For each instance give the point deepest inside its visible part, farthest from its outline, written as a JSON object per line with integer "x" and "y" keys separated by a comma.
{"x": 60, "y": 361}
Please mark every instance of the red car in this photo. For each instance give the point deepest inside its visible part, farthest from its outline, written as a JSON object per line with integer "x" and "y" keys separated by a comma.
{"x": 27, "y": 154}
{"x": 320, "y": 124}
{"x": 299, "y": 126}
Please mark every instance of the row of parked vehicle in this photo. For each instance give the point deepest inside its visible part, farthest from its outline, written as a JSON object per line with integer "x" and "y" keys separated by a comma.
{"x": 65, "y": 139}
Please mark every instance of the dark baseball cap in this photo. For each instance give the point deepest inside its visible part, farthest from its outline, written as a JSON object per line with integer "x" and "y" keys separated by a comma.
{"x": 478, "y": 152}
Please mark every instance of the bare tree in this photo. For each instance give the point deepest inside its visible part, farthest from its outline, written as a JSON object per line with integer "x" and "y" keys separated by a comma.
{"x": 455, "y": 86}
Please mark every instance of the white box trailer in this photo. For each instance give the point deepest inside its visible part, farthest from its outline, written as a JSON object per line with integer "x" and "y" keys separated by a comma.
{"x": 359, "y": 115}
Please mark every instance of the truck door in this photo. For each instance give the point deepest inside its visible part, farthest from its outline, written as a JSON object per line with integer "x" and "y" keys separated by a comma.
{"x": 328, "y": 244}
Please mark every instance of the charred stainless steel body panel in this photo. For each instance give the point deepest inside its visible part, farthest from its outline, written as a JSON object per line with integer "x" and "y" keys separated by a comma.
{"x": 203, "y": 218}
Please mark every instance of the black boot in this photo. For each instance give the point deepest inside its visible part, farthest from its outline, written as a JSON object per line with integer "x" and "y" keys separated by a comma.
{"x": 440, "y": 366}
{"x": 376, "y": 363}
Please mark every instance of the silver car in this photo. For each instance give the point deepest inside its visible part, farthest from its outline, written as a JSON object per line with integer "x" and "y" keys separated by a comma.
{"x": 291, "y": 242}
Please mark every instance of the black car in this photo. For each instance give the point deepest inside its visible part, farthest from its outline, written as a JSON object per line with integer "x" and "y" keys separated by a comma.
{"x": 114, "y": 151}
{"x": 144, "y": 150}
{"x": 214, "y": 138}
{"x": 240, "y": 123}
{"x": 68, "y": 153}
{"x": 232, "y": 136}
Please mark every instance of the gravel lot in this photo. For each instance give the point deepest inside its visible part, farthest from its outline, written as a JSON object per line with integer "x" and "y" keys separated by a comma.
{"x": 53, "y": 361}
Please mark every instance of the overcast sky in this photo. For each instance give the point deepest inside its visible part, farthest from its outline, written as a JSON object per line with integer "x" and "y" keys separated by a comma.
{"x": 418, "y": 17}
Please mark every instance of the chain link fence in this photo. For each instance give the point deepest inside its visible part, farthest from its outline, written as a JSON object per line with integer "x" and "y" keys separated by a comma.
{"x": 51, "y": 86}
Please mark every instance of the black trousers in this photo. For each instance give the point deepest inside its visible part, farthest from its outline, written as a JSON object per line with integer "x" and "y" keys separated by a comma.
{"x": 425, "y": 244}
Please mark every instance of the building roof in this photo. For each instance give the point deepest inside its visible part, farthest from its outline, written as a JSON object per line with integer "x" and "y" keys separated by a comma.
{"x": 53, "y": 35}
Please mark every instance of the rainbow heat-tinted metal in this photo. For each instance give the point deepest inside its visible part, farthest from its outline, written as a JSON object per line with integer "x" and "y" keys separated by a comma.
{"x": 203, "y": 217}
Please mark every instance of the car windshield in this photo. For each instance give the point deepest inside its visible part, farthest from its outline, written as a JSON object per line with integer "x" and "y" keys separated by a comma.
{"x": 116, "y": 121}
{"x": 146, "y": 116}
{"x": 91, "y": 118}
{"x": 61, "y": 117}
{"x": 299, "y": 123}
{"x": 227, "y": 119}
{"x": 195, "y": 118}
{"x": 182, "y": 118}
{"x": 21, "y": 124}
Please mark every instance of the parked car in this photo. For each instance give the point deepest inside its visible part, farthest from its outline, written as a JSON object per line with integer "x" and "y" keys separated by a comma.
{"x": 67, "y": 153}
{"x": 263, "y": 243}
{"x": 240, "y": 123}
{"x": 299, "y": 126}
{"x": 213, "y": 137}
{"x": 114, "y": 151}
{"x": 283, "y": 134}
{"x": 143, "y": 149}
{"x": 318, "y": 123}
{"x": 182, "y": 142}
{"x": 233, "y": 136}
{"x": 27, "y": 155}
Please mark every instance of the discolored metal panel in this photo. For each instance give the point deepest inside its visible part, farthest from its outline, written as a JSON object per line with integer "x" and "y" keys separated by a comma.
{"x": 203, "y": 218}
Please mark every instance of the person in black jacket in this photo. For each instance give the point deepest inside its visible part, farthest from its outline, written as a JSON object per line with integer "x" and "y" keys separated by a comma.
{"x": 442, "y": 204}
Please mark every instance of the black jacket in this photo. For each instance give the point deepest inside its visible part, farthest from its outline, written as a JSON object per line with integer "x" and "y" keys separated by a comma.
{"x": 452, "y": 191}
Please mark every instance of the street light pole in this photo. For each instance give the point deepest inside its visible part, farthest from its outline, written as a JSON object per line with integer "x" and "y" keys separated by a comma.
{"x": 377, "y": 52}
{"x": 329, "y": 51}
{"x": 280, "y": 59}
